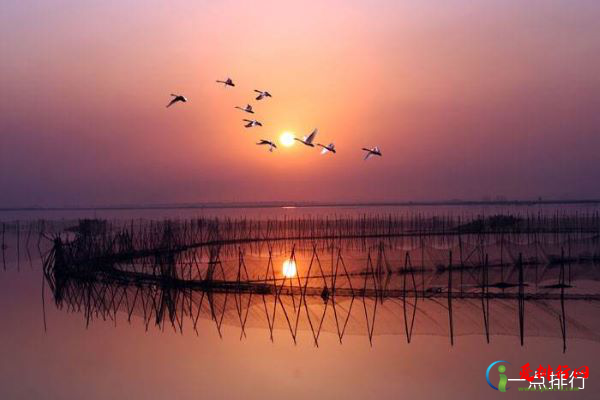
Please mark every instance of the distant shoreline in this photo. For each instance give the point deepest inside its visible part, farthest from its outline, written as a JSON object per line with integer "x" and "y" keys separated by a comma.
{"x": 282, "y": 204}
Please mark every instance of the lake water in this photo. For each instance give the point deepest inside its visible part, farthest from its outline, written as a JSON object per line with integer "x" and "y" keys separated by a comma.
{"x": 409, "y": 316}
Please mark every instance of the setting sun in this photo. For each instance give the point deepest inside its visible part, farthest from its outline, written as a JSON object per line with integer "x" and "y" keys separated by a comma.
{"x": 287, "y": 139}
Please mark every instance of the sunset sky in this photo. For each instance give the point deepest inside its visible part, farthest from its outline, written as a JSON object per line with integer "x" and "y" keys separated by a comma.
{"x": 465, "y": 99}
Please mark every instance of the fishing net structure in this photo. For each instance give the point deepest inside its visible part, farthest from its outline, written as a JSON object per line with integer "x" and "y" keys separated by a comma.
{"x": 507, "y": 276}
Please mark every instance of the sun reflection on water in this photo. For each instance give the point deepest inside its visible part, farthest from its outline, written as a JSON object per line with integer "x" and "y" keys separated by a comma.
{"x": 289, "y": 268}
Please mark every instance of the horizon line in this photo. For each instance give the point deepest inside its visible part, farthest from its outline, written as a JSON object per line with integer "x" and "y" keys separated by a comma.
{"x": 301, "y": 204}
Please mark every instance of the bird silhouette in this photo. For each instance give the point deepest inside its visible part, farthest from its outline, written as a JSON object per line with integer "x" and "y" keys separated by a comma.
{"x": 227, "y": 82}
{"x": 251, "y": 123}
{"x": 262, "y": 94}
{"x": 267, "y": 143}
{"x": 308, "y": 140}
{"x": 372, "y": 152}
{"x": 247, "y": 109}
{"x": 177, "y": 98}
{"x": 326, "y": 149}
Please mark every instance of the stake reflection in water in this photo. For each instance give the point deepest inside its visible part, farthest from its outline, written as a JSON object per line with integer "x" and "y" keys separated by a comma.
{"x": 289, "y": 268}
{"x": 424, "y": 283}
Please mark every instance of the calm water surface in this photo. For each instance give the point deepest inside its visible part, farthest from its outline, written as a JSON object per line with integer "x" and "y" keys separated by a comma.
{"x": 59, "y": 349}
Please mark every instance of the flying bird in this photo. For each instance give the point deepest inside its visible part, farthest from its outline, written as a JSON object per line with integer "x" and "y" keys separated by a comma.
{"x": 248, "y": 108}
{"x": 308, "y": 140}
{"x": 251, "y": 123}
{"x": 268, "y": 143}
{"x": 176, "y": 98}
{"x": 372, "y": 152}
{"x": 262, "y": 94}
{"x": 227, "y": 82}
{"x": 326, "y": 149}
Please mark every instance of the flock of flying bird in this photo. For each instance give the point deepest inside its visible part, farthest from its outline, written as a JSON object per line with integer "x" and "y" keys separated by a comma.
{"x": 250, "y": 123}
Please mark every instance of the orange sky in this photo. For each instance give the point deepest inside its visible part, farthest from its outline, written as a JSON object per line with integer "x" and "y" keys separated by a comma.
{"x": 465, "y": 100}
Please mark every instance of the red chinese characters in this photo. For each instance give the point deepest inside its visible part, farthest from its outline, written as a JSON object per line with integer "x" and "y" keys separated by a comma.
{"x": 525, "y": 373}
{"x": 583, "y": 372}
{"x": 563, "y": 371}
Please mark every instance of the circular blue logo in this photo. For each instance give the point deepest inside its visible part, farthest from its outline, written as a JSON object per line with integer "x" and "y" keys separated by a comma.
{"x": 487, "y": 373}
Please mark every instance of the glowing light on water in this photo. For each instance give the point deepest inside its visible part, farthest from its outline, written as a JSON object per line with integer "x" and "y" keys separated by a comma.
{"x": 289, "y": 268}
